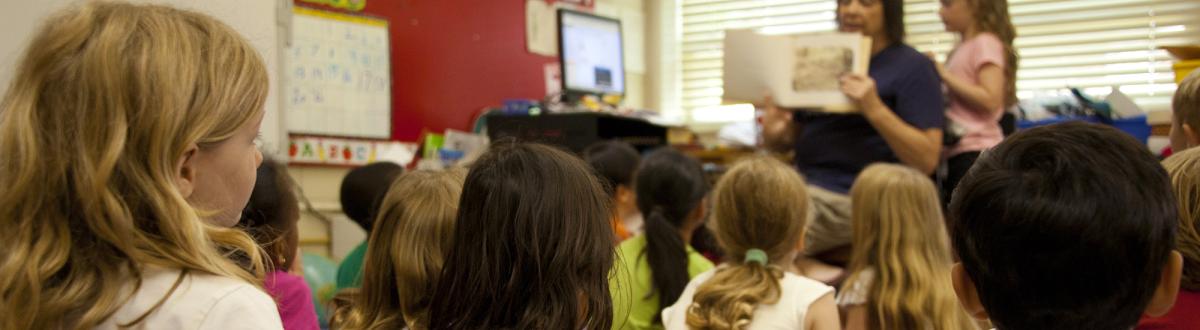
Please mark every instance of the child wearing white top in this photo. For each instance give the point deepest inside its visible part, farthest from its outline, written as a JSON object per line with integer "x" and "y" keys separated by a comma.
{"x": 128, "y": 134}
{"x": 759, "y": 213}
{"x": 901, "y": 255}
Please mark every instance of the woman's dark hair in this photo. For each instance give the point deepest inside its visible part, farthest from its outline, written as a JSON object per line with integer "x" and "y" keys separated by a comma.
{"x": 669, "y": 186}
{"x": 363, "y": 188}
{"x": 614, "y": 161}
{"x": 532, "y": 245}
{"x": 893, "y": 19}
{"x": 272, "y": 213}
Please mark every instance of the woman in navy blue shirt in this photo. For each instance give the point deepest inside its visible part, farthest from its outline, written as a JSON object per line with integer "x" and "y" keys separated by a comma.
{"x": 901, "y": 122}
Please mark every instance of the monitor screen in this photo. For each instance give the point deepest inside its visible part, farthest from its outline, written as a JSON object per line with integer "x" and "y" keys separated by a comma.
{"x": 591, "y": 54}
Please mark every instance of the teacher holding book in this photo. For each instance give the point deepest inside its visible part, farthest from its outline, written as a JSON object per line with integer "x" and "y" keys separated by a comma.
{"x": 901, "y": 121}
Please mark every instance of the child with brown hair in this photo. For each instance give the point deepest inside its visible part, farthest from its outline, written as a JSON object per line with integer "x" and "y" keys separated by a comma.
{"x": 271, "y": 217}
{"x": 405, "y": 253}
{"x": 1185, "y": 114}
{"x": 760, "y": 225}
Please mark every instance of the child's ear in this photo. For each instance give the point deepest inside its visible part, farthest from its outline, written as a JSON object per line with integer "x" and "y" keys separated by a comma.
{"x": 964, "y": 288}
{"x": 185, "y": 171}
{"x": 701, "y": 209}
{"x": 1168, "y": 286}
{"x": 624, "y": 194}
{"x": 1193, "y": 139}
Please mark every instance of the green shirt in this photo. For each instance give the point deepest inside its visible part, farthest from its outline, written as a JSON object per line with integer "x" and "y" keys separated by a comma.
{"x": 349, "y": 273}
{"x": 631, "y": 281}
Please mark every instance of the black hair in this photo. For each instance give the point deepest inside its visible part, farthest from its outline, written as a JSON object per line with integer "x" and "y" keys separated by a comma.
{"x": 364, "y": 187}
{"x": 272, "y": 213}
{"x": 670, "y": 185}
{"x": 532, "y": 245}
{"x": 893, "y": 19}
{"x": 614, "y": 161}
{"x": 1065, "y": 226}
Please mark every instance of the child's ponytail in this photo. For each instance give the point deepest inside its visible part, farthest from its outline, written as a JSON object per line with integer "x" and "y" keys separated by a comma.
{"x": 727, "y": 301}
{"x": 759, "y": 212}
{"x": 670, "y": 185}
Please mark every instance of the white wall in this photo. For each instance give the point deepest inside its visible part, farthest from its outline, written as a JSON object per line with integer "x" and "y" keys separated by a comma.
{"x": 255, "y": 20}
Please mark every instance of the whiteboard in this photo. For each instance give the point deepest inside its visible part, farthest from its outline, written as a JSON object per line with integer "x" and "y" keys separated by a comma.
{"x": 337, "y": 75}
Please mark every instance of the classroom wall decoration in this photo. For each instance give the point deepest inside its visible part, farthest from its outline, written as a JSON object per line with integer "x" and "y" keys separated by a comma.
{"x": 337, "y": 76}
{"x": 315, "y": 150}
{"x": 351, "y": 5}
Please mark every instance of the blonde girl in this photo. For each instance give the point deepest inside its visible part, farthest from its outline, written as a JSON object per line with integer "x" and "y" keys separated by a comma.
{"x": 900, "y": 268}
{"x": 404, "y": 253}
{"x": 980, "y": 76}
{"x": 1184, "y": 168}
{"x": 759, "y": 212}
{"x": 128, "y": 141}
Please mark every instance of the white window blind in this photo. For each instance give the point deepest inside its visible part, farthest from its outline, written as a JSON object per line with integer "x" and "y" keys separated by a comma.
{"x": 704, "y": 23}
{"x": 1092, "y": 44}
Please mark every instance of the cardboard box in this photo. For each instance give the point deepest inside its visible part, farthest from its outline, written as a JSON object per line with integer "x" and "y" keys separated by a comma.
{"x": 1187, "y": 60}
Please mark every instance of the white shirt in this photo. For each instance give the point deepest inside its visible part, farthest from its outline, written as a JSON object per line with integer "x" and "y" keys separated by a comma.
{"x": 201, "y": 301}
{"x": 798, "y": 293}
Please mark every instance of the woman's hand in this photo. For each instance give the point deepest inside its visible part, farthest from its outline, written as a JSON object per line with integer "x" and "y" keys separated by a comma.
{"x": 861, "y": 89}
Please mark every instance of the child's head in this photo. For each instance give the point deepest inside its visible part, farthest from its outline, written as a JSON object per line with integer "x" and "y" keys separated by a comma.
{"x": 532, "y": 245}
{"x": 759, "y": 205}
{"x": 989, "y": 16}
{"x": 899, "y": 232}
{"x": 272, "y": 214}
{"x": 1066, "y": 226}
{"x": 1184, "y": 169}
{"x": 128, "y": 134}
{"x": 363, "y": 188}
{"x": 615, "y": 162}
{"x": 1186, "y": 113}
{"x": 670, "y": 193}
{"x": 405, "y": 255}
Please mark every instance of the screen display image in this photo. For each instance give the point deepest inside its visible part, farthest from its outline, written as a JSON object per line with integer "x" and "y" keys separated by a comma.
{"x": 591, "y": 53}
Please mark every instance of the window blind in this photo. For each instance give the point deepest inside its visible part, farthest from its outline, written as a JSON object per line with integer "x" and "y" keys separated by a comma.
{"x": 1092, "y": 44}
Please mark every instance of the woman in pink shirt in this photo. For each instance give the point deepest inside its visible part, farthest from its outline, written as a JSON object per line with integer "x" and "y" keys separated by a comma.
{"x": 271, "y": 217}
{"x": 980, "y": 80}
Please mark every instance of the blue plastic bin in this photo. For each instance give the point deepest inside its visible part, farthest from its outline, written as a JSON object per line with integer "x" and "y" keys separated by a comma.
{"x": 1134, "y": 126}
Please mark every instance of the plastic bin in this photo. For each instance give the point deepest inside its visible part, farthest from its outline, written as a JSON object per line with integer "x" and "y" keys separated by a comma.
{"x": 1134, "y": 126}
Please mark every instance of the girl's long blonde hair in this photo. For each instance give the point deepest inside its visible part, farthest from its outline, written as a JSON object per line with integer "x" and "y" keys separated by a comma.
{"x": 900, "y": 233}
{"x": 760, "y": 203}
{"x": 1184, "y": 169}
{"x": 405, "y": 253}
{"x": 106, "y": 99}
{"x": 992, "y": 16}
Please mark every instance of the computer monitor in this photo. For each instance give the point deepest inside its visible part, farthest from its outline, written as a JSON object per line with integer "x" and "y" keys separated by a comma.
{"x": 590, "y": 51}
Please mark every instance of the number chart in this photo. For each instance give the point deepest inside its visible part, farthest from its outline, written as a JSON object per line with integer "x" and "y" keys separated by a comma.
{"x": 338, "y": 75}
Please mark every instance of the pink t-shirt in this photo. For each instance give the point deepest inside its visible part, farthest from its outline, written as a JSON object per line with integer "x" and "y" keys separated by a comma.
{"x": 981, "y": 128}
{"x": 294, "y": 300}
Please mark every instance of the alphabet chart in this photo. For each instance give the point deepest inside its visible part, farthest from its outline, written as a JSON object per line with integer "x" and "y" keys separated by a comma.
{"x": 337, "y": 76}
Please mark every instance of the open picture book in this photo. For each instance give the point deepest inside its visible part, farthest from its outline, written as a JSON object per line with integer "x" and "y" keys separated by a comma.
{"x": 800, "y": 71}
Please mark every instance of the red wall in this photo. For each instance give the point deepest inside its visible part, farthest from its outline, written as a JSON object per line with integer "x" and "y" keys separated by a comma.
{"x": 451, "y": 58}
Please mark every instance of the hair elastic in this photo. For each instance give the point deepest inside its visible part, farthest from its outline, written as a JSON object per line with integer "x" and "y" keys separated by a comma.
{"x": 756, "y": 255}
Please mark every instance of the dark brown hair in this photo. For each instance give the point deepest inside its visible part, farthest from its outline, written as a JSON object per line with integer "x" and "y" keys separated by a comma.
{"x": 272, "y": 213}
{"x": 532, "y": 245}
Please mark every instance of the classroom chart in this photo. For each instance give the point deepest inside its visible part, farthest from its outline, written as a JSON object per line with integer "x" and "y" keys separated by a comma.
{"x": 338, "y": 75}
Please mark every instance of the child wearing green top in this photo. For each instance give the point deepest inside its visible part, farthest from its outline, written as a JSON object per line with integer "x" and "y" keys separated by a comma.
{"x": 361, "y": 191}
{"x": 652, "y": 269}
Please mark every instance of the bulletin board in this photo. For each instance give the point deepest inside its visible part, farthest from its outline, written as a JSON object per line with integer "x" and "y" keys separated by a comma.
{"x": 337, "y": 75}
